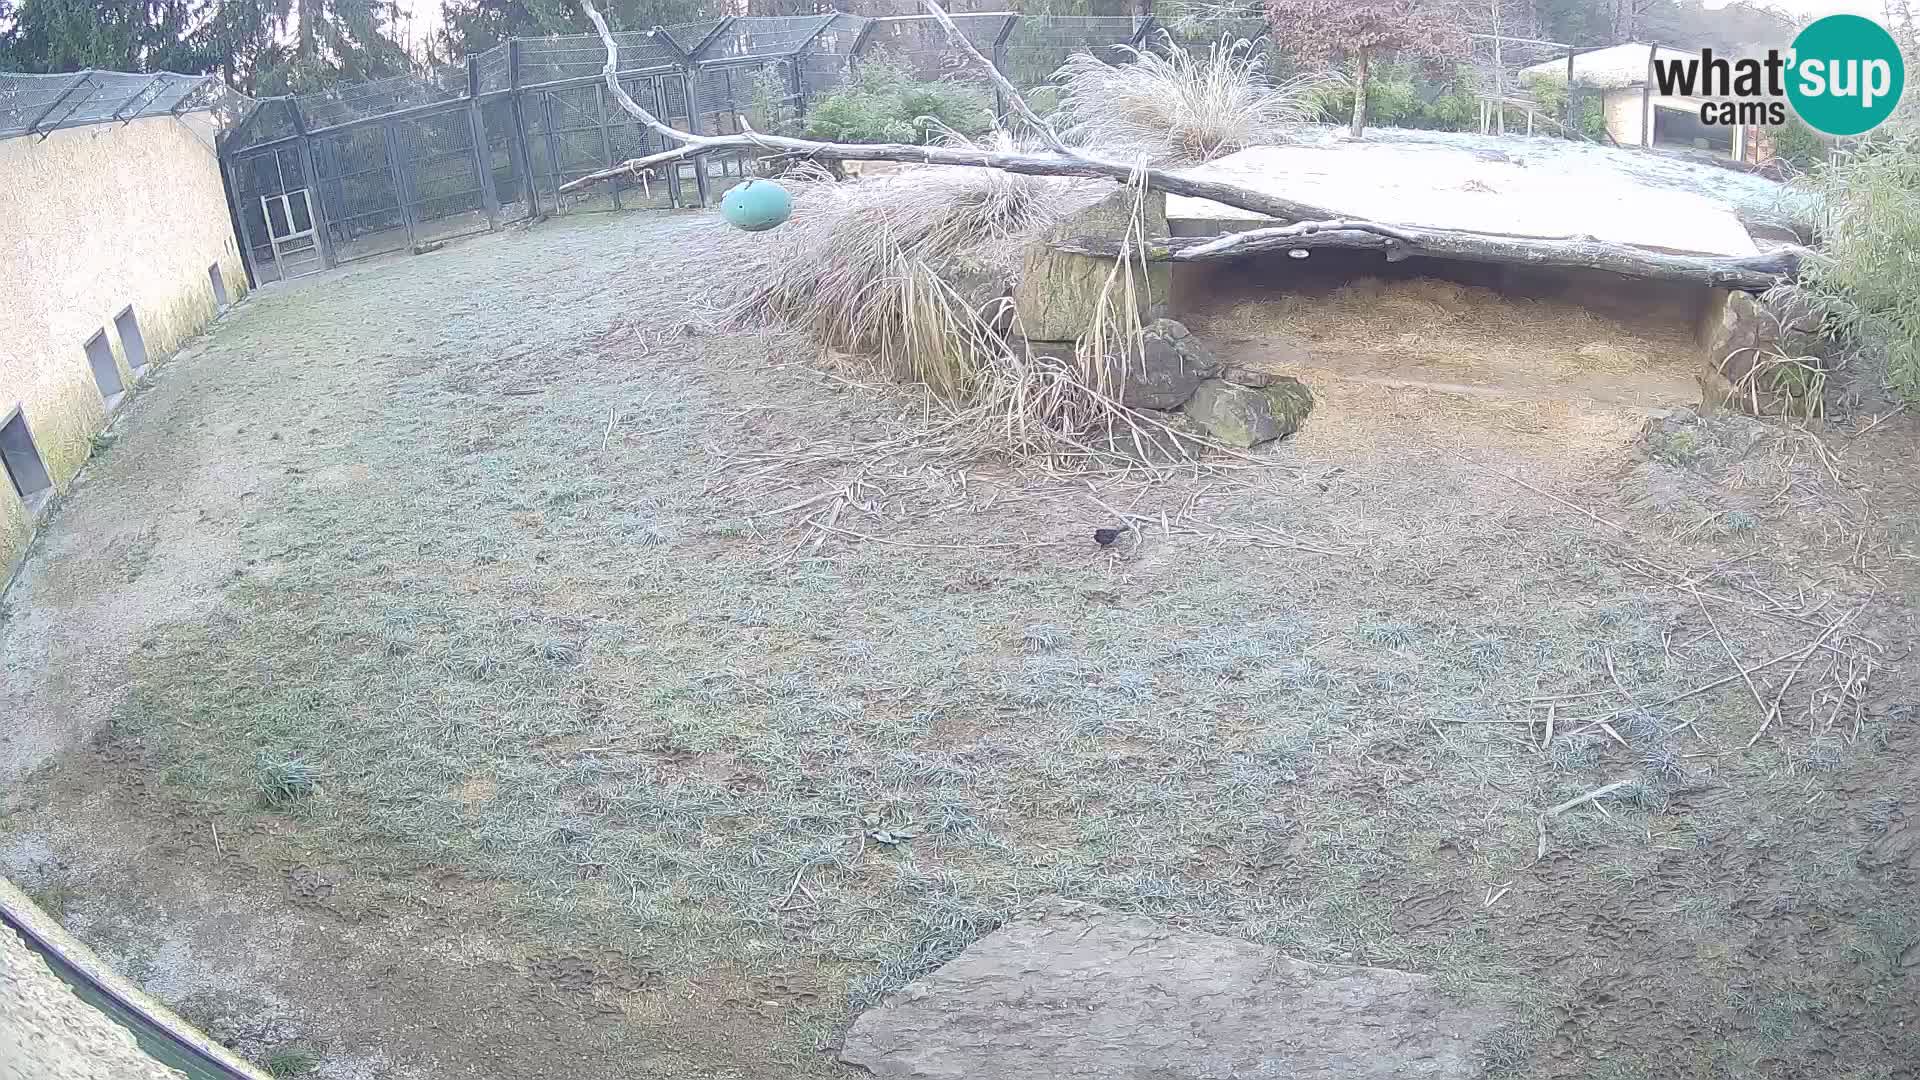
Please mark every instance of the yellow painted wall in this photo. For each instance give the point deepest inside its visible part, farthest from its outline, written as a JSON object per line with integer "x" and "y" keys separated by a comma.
{"x": 93, "y": 219}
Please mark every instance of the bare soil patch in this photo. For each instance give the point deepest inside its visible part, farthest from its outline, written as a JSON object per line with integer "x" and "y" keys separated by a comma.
{"x": 591, "y": 757}
{"x": 1457, "y": 328}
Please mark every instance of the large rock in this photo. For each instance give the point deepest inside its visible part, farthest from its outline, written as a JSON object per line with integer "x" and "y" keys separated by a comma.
{"x": 1059, "y": 293}
{"x": 1733, "y": 322}
{"x": 1169, "y": 368}
{"x": 1246, "y": 416}
{"x": 981, "y": 287}
{"x": 1290, "y": 401}
{"x": 1739, "y": 342}
{"x": 1072, "y": 991}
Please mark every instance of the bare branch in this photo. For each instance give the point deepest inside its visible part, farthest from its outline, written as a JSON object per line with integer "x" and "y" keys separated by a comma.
{"x": 1318, "y": 228}
{"x": 1015, "y": 100}
{"x": 1064, "y": 162}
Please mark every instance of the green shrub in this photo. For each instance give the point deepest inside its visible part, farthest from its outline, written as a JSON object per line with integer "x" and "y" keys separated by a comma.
{"x": 770, "y": 103}
{"x": 1393, "y": 98}
{"x": 1797, "y": 143}
{"x": 1866, "y": 277}
{"x": 883, "y": 102}
{"x": 1550, "y": 94}
{"x": 1400, "y": 96}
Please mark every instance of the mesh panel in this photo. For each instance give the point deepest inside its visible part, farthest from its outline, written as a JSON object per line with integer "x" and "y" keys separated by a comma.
{"x": 343, "y": 105}
{"x": 43, "y": 103}
{"x": 771, "y": 36}
{"x": 273, "y": 119}
{"x": 574, "y": 56}
{"x": 690, "y": 36}
{"x": 26, "y": 98}
{"x": 495, "y": 73}
{"x": 1039, "y": 45}
{"x": 922, "y": 44}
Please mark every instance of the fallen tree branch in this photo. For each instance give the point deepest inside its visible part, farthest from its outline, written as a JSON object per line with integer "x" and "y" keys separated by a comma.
{"x": 1318, "y": 228}
{"x": 1006, "y": 161}
{"x": 1752, "y": 273}
{"x": 1061, "y": 162}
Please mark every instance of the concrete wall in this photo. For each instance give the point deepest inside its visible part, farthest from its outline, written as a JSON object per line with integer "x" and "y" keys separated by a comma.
{"x": 93, "y": 219}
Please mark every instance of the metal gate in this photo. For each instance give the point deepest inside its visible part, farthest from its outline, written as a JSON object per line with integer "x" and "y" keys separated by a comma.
{"x": 276, "y": 214}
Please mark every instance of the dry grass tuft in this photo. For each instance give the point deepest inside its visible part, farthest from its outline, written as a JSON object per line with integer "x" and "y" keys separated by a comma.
{"x": 908, "y": 273}
{"x": 1182, "y": 106}
{"x": 868, "y": 267}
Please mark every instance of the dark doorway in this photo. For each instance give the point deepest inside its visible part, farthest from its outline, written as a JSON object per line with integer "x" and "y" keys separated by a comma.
{"x": 106, "y": 373}
{"x": 219, "y": 287}
{"x": 128, "y": 326}
{"x": 22, "y": 461}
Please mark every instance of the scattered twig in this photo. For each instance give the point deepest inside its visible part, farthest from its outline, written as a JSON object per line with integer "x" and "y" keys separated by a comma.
{"x": 1731, "y": 658}
{"x": 1541, "y": 821}
{"x": 785, "y": 902}
{"x": 1770, "y": 712}
{"x": 1896, "y": 411}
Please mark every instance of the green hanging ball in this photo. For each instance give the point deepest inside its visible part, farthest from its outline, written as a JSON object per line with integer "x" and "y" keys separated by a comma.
{"x": 757, "y": 205}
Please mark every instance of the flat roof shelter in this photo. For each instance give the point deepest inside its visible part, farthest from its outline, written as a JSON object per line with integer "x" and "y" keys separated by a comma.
{"x": 1637, "y": 114}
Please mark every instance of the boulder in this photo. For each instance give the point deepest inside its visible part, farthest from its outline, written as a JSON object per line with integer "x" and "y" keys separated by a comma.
{"x": 1059, "y": 293}
{"x": 981, "y": 287}
{"x": 1290, "y": 401}
{"x": 1733, "y": 322}
{"x": 1071, "y": 990}
{"x": 1170, "y": 367}
{"x": 1740, "y": 341}
{"x": 1240, "y": 375}
{"x": 1234, "y": 415}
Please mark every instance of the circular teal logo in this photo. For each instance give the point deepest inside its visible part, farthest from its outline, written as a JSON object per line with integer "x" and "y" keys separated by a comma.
{"x": 1846, "y": 75}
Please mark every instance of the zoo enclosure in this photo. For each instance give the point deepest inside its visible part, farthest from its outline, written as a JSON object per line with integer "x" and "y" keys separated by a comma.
{"x": 325, "y": 178}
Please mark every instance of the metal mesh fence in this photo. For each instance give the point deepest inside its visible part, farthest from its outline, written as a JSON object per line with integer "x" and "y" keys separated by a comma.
{"x": 921, "y": 44}
{"x": 38, "y": 104}
{"x": 331, "y": 108}
{"x": 328, "y": 177}
{"x": 1038, "y": 46}
{"x": 583, "y": 56}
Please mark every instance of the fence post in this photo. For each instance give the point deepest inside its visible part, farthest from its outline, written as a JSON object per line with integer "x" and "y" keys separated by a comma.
{"x": 482, "y": 149}
{"x": 606, "y": 140}
{"x": 553, "y": 149}
{"x": 517, "y": 143}
{"x": 692, "y": 75}
{"x": 316, "y": 201}
{"x": 1000, "y": 103}
{"x": 397, "y": 172}
{"x": 1566, "y": 125}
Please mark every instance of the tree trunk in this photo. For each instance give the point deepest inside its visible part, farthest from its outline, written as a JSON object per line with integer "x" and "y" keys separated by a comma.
{"x": 1359, "y": 93}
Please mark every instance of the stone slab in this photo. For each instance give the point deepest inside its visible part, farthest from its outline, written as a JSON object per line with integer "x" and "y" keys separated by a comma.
{"x": 1453, "y": 188}
{"x": 1069, "y": 991}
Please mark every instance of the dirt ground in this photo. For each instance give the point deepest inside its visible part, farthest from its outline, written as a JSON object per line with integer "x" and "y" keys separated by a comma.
{"x": 439, "y": 677}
